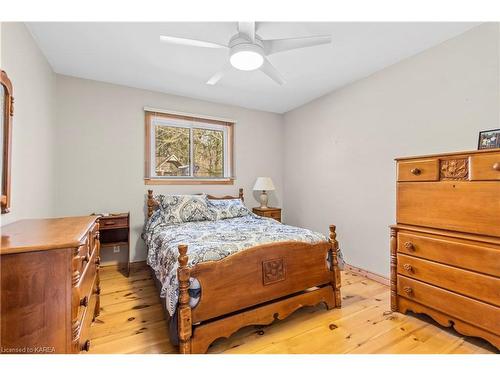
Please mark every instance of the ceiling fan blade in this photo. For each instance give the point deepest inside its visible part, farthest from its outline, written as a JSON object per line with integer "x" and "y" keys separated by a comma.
{"x": 268, "y": 69}
{"x": 216, "y": 77}
{"x": 190, "y": 42}
{"x": 278, "y": 45}
{"x": 247, "y": 29}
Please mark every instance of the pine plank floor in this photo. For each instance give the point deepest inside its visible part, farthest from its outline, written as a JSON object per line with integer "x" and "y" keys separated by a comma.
{"x": 132, "y": 321}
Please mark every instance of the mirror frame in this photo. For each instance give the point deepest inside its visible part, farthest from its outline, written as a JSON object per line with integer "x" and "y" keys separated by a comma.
{"x": 8, "y": 113}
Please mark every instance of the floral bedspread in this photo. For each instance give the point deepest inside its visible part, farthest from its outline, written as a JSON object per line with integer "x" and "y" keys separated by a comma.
{"x": 208, "y": 241}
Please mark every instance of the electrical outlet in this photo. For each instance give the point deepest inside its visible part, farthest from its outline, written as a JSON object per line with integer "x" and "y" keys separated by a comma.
{"x": 116, "y": 249}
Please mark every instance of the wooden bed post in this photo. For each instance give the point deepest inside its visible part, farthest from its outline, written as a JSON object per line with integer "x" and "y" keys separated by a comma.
{"x": 394, "y": 270}
{"x": 336, "y": 271}
{"x": 150, "y": 203}
{"x": 184, "y": 311}
{"x": 241, "y": 194}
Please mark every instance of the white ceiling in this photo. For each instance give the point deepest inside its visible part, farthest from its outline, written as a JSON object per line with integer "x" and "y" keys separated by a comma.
{"x": 131, "y": 54}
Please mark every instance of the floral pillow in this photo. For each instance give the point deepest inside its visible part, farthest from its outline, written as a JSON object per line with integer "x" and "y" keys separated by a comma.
{"x": 176, "y": 209}
{"x": 227, "y": 208}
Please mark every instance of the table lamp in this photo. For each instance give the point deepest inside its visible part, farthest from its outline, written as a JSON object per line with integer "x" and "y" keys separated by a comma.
{"x": 264, "y": 184}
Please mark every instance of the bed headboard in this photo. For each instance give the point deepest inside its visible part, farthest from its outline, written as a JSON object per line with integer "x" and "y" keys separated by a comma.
{"x": 152, "y": 204}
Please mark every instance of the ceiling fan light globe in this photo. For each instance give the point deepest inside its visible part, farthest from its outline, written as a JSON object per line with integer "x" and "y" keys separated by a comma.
{"x": 247, "y": 60}
{"x": 246, "y": 57}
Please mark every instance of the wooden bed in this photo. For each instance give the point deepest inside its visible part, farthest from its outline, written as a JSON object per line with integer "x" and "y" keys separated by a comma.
{"x": 277, "y": 279}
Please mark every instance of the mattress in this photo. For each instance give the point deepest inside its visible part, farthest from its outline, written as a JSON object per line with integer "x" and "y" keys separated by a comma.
{"x": 210, "y": 241}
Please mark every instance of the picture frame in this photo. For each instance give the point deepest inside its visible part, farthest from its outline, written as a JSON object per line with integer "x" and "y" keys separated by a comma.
{"x": 488, "y": 139}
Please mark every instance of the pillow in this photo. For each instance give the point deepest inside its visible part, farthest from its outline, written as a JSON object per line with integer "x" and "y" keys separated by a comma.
{"x": 227, "y": 208}
{"x": 176, "y": 209}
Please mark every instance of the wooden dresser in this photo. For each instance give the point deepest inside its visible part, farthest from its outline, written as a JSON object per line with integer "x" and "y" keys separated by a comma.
{"x": 49, "y": 275}
{"x": 445, "y": 248}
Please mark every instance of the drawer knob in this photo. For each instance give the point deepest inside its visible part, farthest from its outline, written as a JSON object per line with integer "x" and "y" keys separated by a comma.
{"x": 408, "y": 290}
{"x": 98, "y": 261}
{"x": 409, "y": 246}
{"x": 98, "y": 290}
{"x": 86, "y": 346}
{"x": 496, "y": 166}
{"x": 84, "y": 301}
{"x": 416, "y": 171}
{"x": 407, "y": 267}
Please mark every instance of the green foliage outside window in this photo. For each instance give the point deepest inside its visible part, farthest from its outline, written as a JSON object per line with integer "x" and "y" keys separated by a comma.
{"x": 173, "y": 154}
{"x": 208, "y": 153}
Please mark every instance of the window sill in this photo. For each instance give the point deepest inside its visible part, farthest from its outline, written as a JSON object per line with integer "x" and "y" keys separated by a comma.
{"x": 180, "y": 181}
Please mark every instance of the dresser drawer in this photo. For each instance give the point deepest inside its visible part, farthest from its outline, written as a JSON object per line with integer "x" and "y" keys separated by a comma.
{"x": 85, "y": 287}
{"x": 85, "y": 322}
{"x": 275, "y": 215}
{"x": 477, "y": 313}
{"x": 475, "y": 256}
{"x": 462, "y": 206}
{"x": 418, "y": 170}
{"x": 485, "y": 167}
{"x": 110, "y": 222}
{"x": 471, "y": 284}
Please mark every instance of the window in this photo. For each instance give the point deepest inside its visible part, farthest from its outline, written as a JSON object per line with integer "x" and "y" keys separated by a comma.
{"x": 182, "y": 149}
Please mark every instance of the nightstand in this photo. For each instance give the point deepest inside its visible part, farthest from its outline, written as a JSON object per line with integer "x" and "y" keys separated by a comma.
{"x": 114, "y": 232}
{"x": 272, "y": 212}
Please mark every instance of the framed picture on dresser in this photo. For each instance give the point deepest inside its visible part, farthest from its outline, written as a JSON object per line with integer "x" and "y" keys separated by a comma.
{"x": 489, "y": 139}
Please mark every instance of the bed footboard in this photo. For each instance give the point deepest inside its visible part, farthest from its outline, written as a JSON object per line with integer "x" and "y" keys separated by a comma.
{"x": 255, "y": 287}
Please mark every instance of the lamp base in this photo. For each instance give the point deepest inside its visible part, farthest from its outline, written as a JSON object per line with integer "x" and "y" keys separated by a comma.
{"x": 263, "y": 200}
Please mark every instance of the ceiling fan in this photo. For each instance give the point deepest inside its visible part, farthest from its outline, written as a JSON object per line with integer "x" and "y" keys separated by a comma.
{"x": 248, "y": 51}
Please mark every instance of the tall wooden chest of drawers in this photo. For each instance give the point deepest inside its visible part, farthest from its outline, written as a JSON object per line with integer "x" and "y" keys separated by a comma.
{"x": 49, "y": 284}
{"x": 445, "y": 248}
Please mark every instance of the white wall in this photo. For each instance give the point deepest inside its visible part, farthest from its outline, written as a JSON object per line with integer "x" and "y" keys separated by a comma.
{"x": 33, "y": 131}
{"x": 339, "y": 149}
{"x": 331, "y": 159}
{"x": 100, "y": 150}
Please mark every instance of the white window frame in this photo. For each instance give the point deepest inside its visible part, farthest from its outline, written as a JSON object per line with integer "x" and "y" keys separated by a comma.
{"x": 190, "y": 123}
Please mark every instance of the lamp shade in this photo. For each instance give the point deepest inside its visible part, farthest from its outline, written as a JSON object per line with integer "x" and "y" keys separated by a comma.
{"x": 264, "y": 183}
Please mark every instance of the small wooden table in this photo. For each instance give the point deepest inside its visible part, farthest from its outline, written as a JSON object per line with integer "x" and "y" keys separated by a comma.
{"x": 272, "y": 212}
{"x": 114, "y": 230}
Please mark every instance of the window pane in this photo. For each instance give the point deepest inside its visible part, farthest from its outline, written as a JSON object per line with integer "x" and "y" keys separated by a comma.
{"x": 172, "y": 151}
{"x": 208, "y": 153}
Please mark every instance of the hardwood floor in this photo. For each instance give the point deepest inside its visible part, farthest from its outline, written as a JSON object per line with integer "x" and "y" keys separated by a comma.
{"x": 131, "y": 321}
